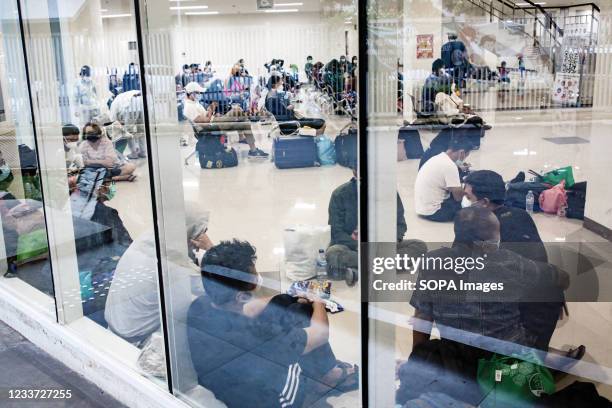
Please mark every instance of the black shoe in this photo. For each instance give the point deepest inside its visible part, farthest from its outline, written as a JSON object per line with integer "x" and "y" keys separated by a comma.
{"x": 519, "y": 178}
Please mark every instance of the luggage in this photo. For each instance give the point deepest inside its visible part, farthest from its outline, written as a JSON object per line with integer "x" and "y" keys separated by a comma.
{"x": 214, "y": 155}
{"x": 517, "y": 192}
{"x": 131, "y": 79}
{"x": 326, "y": 152}
{"x": 412, "y": 142}
{"x": 294, "y": 152}
{"x": 27, "y": 159}
{"x": 553, "y": 199}
{"x": 346, "y": 148}
{"x": 576, "y": 197}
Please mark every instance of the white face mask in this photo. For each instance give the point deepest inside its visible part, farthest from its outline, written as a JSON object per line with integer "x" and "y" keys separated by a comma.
{"x": 459, "y": 163}
{"x": 465, "y": 202}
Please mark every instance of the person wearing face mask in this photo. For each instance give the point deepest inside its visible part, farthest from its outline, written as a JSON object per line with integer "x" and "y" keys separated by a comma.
{"x": 98, "y": 151}
{"x": 132, "y": 307}
{"x": 308, "y": 68}
{"x": 240, "y": 340}
{"x": 85, "y": 97}
{"x": 280, "y": 106}
{"x": 437, "y": 189}
{"x": 466, "y": 318}
{"x": 207, "y": 120}
{"x": 518, "y": 233}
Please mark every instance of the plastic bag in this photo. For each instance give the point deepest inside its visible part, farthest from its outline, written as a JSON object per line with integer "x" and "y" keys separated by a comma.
{"x": 152, "y": 358}
{"x": 326, "y": 151}
{"x": 556, "y": 176}
{"x": 302, "y": 244}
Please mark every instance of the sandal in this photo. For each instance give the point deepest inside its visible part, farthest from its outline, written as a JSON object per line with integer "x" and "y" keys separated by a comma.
{"x": 131, "y": 178}
{"x": 347, "y": 381}
{"x": 576, "y": 353}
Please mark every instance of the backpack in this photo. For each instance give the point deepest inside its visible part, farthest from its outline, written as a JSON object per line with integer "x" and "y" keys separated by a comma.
{"x": 553, "y": 199}
{"x": 214, "y": 155}
{"x": 457, "y": 57}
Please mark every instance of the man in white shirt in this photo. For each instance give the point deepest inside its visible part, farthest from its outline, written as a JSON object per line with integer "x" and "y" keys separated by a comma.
{"x": 437, "y": 190}
{"x": 195, "y": 112}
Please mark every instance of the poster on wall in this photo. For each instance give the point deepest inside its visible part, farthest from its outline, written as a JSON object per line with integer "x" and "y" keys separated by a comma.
{"x": 424, "y": 48}
{"x": 566, "y": 88}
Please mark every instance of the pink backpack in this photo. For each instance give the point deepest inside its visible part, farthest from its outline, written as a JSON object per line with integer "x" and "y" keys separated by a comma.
{"x": 553, "y": 198}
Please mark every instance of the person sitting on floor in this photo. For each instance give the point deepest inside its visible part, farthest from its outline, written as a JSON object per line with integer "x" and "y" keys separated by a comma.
{"x": 97, "y": 150}
{"x": 437, "y": 81}
{"x": 437, "y": 189}
{"x": 343, "y": 218}
{"x": 132, "y": 307}
{"x": 279, "y": 105}
{"x": 518, "y": 232}
{"x": 258, "y": 345}
{"x": 206, "y": 119}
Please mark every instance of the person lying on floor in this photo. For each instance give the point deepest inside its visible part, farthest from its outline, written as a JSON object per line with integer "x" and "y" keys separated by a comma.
{"x": 275, "y": 350}
{"x": 97, "y": 150}
{"x": 437, "y": 189}
{"x": 518, "y": 232}
{"x": 280, "y": 106}
{"x": 132, "y": 307}
{"x": 472, "y": 317}
{"x": 343, "y": 217}
{"x": 195, "y": 112}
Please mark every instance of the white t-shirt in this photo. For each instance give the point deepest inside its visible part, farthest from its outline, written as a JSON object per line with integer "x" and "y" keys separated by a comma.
{"x": 193, "y": 109}
{"x": 433, "y": 180}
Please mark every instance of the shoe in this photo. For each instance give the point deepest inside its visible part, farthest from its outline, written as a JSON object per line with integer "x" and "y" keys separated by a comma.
{"x": 142, "y": 155}
{"x": 520, "y": 177}
{"x": 258, "y": 153}
{"x": 132, "y": 156}
{"x": 487, "y": 127}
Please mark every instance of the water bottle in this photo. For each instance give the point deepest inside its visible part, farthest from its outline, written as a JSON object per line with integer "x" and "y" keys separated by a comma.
{"x": 529, "y": 199}
{"x": 321, "y": 265}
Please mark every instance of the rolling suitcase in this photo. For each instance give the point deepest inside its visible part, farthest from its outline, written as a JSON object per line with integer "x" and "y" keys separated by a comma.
{"x": 346, "y": 148}
{"x": 412, "y": 142}
{"x": 292, "y": 152}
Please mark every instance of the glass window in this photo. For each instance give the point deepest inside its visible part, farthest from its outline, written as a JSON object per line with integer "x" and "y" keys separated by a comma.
{"x": 257, "y": 199}
{"x": 476, "y": 113}
{"x": 84, "y": 74}
{"x": 24, "y": 251}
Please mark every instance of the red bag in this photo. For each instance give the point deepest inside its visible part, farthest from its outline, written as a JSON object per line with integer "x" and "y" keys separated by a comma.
{"x": 553, "y": 198}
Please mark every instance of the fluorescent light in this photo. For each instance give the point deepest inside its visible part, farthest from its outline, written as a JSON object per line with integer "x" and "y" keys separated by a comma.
{"x": 528, "y": 5}
{"x": 188, "y": 7}
{"x": 201, "y": 13}
{"x": 116, "y": 15}
{"x": 282, "y": 11}
{"x": 288, "y": 4}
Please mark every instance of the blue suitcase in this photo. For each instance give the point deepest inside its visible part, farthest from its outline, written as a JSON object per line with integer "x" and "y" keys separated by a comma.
{"x": 292, "y": 152}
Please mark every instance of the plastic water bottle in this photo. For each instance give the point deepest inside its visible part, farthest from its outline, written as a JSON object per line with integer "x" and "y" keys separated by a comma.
{"x": 321, "y": 265}
{"x": 529, "y": 200}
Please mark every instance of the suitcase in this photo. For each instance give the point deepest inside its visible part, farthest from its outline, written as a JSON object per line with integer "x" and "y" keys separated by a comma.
{"x": 412, "y": 142}
{"x": 346, "y": 148}
{"x": 516, "y": 194}
{"x": 27, "y": 159}
{"x": 576, "y": 198}
{"x": 213, "y": 154}
{"x": 292, "y": 152}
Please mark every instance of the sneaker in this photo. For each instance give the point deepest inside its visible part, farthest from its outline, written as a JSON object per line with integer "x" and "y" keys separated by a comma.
{"x": 258, "y": 153}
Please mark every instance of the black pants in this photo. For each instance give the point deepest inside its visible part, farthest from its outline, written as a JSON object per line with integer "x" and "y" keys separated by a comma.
{"x": 289, "y": 127}
{"x": 447, "y": 211}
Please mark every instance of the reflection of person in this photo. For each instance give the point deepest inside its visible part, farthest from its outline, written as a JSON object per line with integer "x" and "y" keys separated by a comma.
{"x": 437, "y": 189}
{"x": 86, "y": 96}
{"x": 132, "y": 307}
{"x": 503, "y": 73}
{"x": 207, "y": 121}
{"x": 127, "y": 109}
{"x": 454, "y": 56}
{"x": 274, "y": 350}
{"x": 343, "y": 219}
{"x": 308, "y": 68}
{"x": 437, "y": 81}
{"x": 98, "y": 151}
{"x": 519, "y": 233}
{"x": 477, "y": 234}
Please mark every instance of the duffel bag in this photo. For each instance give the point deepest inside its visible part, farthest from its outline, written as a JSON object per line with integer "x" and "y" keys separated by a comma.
{"x": 346, "y": 148}
{"x": 214, "y": 155}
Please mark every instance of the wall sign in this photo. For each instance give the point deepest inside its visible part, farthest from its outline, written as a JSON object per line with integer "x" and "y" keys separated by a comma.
{"x": 424, "y": 48}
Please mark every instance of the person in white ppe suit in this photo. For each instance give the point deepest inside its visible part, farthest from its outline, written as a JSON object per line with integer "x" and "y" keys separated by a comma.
{"x": 85, "y": 97}
{"x": 127, "y": 110}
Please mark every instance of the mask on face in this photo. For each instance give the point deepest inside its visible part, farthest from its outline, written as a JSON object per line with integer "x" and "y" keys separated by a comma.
{"x": 112, "y": 191}
{"x": 465, "y": 202}
{"x": 92, "y": 136}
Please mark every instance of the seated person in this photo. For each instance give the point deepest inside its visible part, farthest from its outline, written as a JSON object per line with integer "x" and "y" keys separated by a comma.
{"x": 132, "y": 311}
{"x": 195, "y": 112}
{"x": 437, "y": 189}
{"x": 98, "y": 151}
{"x": 503, "y": 73}
{"x": 440, "y": 144}
{"x": 437, "y": 81}
{"x": 279, "y": 106}
{"x": 71, "y": 134}
{"x": 343, "y": 218}
{"x": 485, "y": 188}
{"x": 258, "y": 345}
{"x": 470, "y": 317}
{"x": 127, "y": 111}
{"x": 237, "y": 87}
